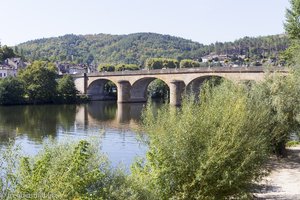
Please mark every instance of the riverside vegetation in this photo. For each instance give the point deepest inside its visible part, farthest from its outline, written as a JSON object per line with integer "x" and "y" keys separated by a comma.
{"x": 37, "y": 84}
{"x": 213, "y": 148}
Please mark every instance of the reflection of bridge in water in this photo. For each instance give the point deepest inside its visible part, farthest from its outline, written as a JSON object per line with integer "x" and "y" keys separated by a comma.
{"x": 110, "y": 114}
{"x": 132, "y": 85}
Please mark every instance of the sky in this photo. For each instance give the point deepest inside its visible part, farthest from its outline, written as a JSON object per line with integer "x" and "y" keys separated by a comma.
{"x": 204, "y": 21}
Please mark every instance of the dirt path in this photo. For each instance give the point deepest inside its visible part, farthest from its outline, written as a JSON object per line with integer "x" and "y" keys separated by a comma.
{"x": 284, "y": 180}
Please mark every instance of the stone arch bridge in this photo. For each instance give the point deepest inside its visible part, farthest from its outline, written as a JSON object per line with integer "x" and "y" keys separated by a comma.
{"x": 132, "y": 85}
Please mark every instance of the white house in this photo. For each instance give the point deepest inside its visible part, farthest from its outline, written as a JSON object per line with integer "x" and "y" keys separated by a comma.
{"x": 7, "y": 71}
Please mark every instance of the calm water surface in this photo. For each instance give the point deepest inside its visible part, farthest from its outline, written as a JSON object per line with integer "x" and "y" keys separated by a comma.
{"x": 116, "y": 125}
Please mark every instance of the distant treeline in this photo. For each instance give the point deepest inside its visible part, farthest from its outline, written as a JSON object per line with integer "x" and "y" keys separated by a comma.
{"x": 136, "y": 48}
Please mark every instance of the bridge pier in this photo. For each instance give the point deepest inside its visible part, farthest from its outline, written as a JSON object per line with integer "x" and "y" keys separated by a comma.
{"x": 123, "y": 113}
{"x": 124, "y": 88}
{"x": 176, "y": 90}
{"x": 81, "y": 83}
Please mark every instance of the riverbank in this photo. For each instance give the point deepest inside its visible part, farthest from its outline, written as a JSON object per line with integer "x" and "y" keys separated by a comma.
{"x": 283, "y": 182}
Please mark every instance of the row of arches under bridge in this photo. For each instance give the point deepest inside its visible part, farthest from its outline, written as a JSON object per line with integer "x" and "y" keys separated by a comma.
{"x": 138, "y": 90}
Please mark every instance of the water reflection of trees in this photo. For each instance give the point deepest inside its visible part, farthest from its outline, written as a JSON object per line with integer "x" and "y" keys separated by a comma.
{"x": 102, "y": 110}
{"x": 36, "y": 121}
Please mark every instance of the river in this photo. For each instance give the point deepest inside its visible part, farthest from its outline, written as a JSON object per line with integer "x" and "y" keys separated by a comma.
{"x": 115, "y": 124}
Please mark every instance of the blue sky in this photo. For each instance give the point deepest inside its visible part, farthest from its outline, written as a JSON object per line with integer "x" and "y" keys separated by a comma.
{"x": 204, "y": 21}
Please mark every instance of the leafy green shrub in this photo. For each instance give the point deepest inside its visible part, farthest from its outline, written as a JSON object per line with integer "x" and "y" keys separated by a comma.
{"x": 9, "y": 161}
{"x": 11, "y": 91}
{"x": 111, "y": 89}
{"x": 292, "y": 143}
{"x": 71, "y": 176}
{"x": 153, "y": 63}
{"x": 158, "y": 89}
{"x": 208, "y": 150}
{"x": 39, "y": 81}
{"x": 159, "y": 63}
{"x": 66, "y": 89}
{"x": 61, "y": 171}
{"x": 280, "y": 95}
{"x": 106, "y": 67}
{"x": 189, "y": 63}
{"x": 6, "y": 52}
{"x": 82, "y": 98}
{"x": 130, "y": 67}
{"x": 170, "y": 63}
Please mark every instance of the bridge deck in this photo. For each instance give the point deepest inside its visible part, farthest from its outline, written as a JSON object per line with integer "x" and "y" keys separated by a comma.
{"x": 186, "y": 71}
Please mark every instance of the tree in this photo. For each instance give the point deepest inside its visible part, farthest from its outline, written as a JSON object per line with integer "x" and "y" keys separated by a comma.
{"x": 159, "y": 63}
{"x": 6, "y": 52}
{"x": 158, "y": 89}
{"x": 106, "y": 67}
{"x": 292, "y": 27}
{"x": 11, "y": 91}
{"x": 153, "y": 63}
{"x": 292, "y": 24}
{"x": 66, "y": 89}
{"x": 89, "y": 59}
{"x": 170, "y": 63}
{"x": 280, "y": 95}
{"x": 39, "y": 81}
{"x": 189, "y": 63}
{"x": 122, "y": 67}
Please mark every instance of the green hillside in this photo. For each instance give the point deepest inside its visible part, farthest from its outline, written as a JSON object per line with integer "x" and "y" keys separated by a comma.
{"x": 136, "y": 48}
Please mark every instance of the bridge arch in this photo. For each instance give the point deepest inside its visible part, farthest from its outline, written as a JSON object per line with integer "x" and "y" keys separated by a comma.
{"x": 194, "y": 85}
{"x": 139, "y": 88}
{"x": 97, "y": 90}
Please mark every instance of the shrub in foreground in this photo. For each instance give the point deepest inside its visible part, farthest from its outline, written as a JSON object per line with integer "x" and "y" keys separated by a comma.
{"x": 214, "y": 149}
{"x": 60, "y": 171}
{"x": 280, "y": 95}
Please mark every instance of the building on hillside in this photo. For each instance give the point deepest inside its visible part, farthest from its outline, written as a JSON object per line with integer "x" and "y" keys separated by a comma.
{"x": 77, "y": 69}
{"x": 15, "y": 63}
{"x": 215, "y": 57}
{"x": 11, "y": 66}
{"x": 92, "y": 68}
{"x": 71, "y": 68}
{"x": 6, "y": 71}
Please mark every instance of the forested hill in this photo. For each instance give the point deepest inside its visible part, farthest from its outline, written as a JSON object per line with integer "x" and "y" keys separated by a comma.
{"x": 136, "y": 48}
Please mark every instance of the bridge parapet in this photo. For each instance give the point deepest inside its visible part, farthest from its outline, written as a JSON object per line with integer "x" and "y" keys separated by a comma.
{"x": 187, "y": 70}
